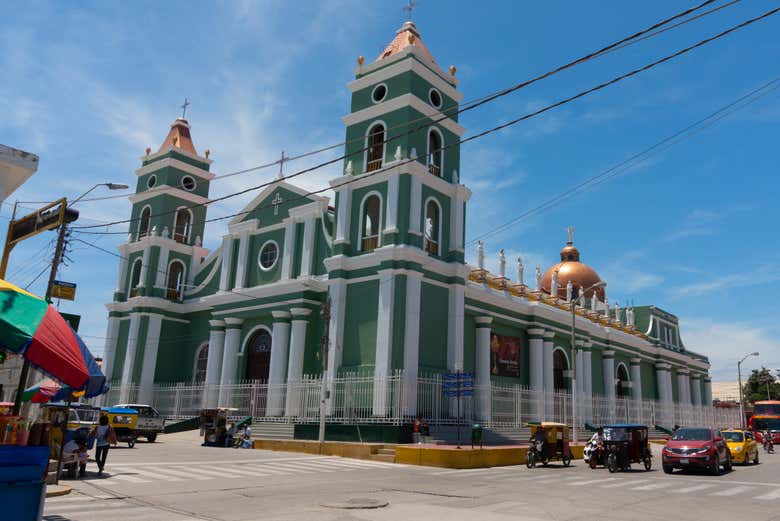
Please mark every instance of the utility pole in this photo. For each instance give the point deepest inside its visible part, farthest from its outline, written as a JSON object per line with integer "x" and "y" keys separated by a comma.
{"x": 55, "y": 264}
{"x": 324, "y": 351}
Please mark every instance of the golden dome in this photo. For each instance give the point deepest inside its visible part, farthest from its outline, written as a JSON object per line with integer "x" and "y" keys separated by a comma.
{"x": 571, "y": 269}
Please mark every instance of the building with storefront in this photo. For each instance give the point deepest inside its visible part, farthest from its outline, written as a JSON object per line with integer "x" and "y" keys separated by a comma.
{"x": 385, "y": 261}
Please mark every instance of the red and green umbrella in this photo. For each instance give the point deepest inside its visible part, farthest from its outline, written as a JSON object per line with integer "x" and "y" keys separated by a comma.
{"x": 31, "y": 327}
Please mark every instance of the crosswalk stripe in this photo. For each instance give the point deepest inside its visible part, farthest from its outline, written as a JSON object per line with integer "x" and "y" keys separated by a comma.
{"x": 180, "y": 473}
{"x": 157, "y": 475}
{"x": 293, "y": 468}
{"x": 625, "y": 483}
{"x": 691, "y": 489}
{"x": 653, "y": 486}
{"x": 131, "y": 479}
{"x": 222, "y": 473}
{"x": 320, "y": 467}
{"x": 589, "y": 482}
{"x": 245, "y": 470}
{"x": 270, "y": 471}
{"x": 775, "y": 494}
{"x": 731, "y": 491}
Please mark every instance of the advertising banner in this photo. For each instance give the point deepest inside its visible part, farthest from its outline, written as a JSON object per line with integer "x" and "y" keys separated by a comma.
{"x": 504, "y": 355}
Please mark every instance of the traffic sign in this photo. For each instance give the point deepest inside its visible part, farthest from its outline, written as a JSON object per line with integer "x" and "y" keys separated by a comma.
{"x": 63, "y": 290}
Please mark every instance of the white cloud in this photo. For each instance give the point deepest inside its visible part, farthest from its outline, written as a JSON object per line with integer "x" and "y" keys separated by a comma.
{"x": 726, "y": 342}
{"x": 760, "y": 276}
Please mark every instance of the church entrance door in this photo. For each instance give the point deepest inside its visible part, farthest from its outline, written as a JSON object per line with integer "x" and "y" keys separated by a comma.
{"x": 258, "y": 356}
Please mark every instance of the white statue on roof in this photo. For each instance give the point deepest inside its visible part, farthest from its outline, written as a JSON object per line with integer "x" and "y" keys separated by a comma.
{"x": 569, "y": 290}
{"x": 554, "y": 284}
{"x": 520, "y": 268}
{"x": 501, "y": 264}
{"x": 617, "y": 313}
{"x": 538, "y": 278}
{"x": 480, "y": 255}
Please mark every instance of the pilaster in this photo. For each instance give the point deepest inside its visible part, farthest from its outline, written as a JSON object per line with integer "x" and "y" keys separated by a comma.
{"x": 412, "y": 342}
{"x": 300, "y": 322}
{"x": 384, "y": 341}
{"x": 483, "y": 367}
{"x": 149, "y": 364}
{"x": 230, "y": 359}
{"x": 636, "y": 378}
{"x": 129, "y": 364}
{"x": 214, "y": 362}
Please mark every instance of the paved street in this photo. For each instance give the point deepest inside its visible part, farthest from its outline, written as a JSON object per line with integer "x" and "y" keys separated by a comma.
{"x": 177, "y": 480}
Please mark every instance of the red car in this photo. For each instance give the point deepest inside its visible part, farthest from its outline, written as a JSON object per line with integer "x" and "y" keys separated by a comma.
{"x": 696, "y": 448}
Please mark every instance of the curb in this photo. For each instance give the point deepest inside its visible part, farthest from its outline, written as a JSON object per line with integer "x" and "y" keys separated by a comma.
{"x": 58, "y": 490}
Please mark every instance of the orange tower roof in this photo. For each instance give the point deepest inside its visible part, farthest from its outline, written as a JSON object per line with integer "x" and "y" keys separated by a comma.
{"x": 406, "y": 36}
{"x": 179, "y": 137}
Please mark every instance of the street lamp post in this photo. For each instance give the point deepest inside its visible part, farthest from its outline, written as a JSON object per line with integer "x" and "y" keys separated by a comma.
{"x": 573, "y": 305}
{"x": 55, "y": 264}
{"x": 739, "y": 378}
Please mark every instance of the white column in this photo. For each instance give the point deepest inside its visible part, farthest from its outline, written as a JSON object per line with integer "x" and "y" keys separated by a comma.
{"x": 579, "y": 391}
{"x": 121, "y": 282}
{"x": 109, "y": 351}
{"x": 549, "y": 381}
{"x": 149, "y": 366}
{"x": 456, "y": 223}
{"x": 343, "y": 217}
{"x": 277, "y": 371}
{"x": 696, "y": 394}
{"x": 308, "y": 247}
{"x": 536, "y": 370}
{"x": 415, "y": 206}
{"x": 144, "y": 266}
{"x": 411, "y": 342}
{"x": 456, "y": 328}
{"x": 384, "y": 341}
{"x": 229, "y": 359}
{"x": 608, "y": 364}
{"x": 289, "y": 250}
{"x": 129, "y": 365}
{"x": 391, "y": 221}
{"x": 241, "y": 262}
{"x": 300, "y": 322}
{"x": 338, "y": 304}
{"x": 707, "y": 392}
{"x": 483, "y": 367}
{"x": 214, "y": 362}
{"x": 588, "y": 380}
{"x": 227, "y": 261}
{"x": 636, "y": 379}
{"x": 162, "y": 269}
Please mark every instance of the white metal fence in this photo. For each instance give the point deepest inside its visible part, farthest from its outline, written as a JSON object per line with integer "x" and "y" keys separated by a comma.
{"x": 356, "y": 398}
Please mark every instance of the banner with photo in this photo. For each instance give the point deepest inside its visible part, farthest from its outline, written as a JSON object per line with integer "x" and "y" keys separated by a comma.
{"x": 504, "y": 355}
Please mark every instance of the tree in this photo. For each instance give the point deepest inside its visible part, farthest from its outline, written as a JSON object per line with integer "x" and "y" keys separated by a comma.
{"x": 756, "y": 387}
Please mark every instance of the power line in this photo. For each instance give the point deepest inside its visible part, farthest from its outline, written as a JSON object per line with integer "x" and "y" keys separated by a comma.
{"x": 473, "y": 137}
{"x": 479, "y": 102}
{"x": 638, "y": 158}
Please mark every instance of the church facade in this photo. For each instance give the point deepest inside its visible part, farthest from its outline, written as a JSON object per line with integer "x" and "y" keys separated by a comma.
{"x": 379, "y": 271}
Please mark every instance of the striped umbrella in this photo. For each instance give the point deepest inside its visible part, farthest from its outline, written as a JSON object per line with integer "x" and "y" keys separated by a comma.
{"x": 31, "y": 327}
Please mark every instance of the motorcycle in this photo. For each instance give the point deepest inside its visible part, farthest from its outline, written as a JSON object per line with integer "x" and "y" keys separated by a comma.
{"x": 535, "y": 454}
{"x": 769, "y": 446}
{"x": 597, "y": 455}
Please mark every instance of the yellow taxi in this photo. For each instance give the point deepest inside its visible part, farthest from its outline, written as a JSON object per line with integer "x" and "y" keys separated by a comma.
{"x": 742, "y": 446}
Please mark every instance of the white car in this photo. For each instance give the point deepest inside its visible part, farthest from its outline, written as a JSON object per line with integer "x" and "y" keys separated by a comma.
{"x": 149, "y": 423}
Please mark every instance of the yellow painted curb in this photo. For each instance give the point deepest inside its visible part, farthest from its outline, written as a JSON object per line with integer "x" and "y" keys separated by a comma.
{"x": 328, "y": 448}
{"x": 466, "y": 458}
{"x": 57, "y": 490}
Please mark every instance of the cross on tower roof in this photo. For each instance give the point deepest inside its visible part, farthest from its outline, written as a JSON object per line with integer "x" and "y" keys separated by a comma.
{"x": 184, "y": 108}
{"x": 409, "y": 8}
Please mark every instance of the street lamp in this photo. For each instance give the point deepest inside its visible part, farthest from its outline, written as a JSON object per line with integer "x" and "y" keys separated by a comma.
{"x": 110, "y": 186}
{"x": 739, "y": 378}
{"x": 573, "y": 305}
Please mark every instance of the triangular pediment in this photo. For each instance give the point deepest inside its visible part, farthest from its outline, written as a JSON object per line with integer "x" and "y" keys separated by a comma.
{"x": 274, "y": 202}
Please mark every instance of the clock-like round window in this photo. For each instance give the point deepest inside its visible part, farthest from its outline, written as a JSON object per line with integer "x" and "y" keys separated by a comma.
{"x": 435, "y": 98}
{"x": 379, "y": 93}
{"x": 151, "y": 182}
{"x": 269, "y": 254}
{"x": 188, "y": 183}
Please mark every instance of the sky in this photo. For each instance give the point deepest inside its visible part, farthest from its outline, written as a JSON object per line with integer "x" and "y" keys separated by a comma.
{"x": 88, "y": 86}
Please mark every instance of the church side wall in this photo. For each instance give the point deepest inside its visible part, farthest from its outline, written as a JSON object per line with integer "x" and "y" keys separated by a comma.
{"x": 649, "y": 388}
{"x": 433, "y": 328}
{"x": 399, "y": 321}
{"x": 255, "y": 275}
{"x": 360, "y": 332}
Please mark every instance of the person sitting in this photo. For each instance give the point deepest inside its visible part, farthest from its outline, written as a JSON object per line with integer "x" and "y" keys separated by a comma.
{"x": 231, "y": 433}
{"x": 246, "y": 437}
{"x": 74, "y": 453}
{"x": 539, "y": 439}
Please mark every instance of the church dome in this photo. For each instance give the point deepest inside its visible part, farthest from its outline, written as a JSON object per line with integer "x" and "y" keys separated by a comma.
{"x": 571, "y": 269}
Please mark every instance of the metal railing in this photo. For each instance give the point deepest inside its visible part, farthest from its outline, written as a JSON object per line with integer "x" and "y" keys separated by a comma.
{"x": 361, "y": 398}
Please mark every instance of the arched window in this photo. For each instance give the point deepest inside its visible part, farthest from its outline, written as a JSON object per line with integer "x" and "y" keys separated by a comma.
{"x": 144, "y": 222}
{"x": 435, "y": 152}
{"x": 258, "y": 355}
{"x": 181, "y": 227}
{"x": 175, "y": 287}
{"x": 376, "y": 147}
{"x": 560, "y": 366}
{"x": 201, "y": 364}
{"x": 621, "y": 389}
{"x": 135, "y": 278}
{"x": 432, "y": 227}
{"x": 370, "y": 223}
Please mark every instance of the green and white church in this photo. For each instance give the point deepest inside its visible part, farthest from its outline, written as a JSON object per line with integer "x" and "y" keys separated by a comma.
{"x": 387, "y": 255}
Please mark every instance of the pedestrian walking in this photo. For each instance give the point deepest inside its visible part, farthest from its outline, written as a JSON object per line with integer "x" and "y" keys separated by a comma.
{"x": 104, "y": 436}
